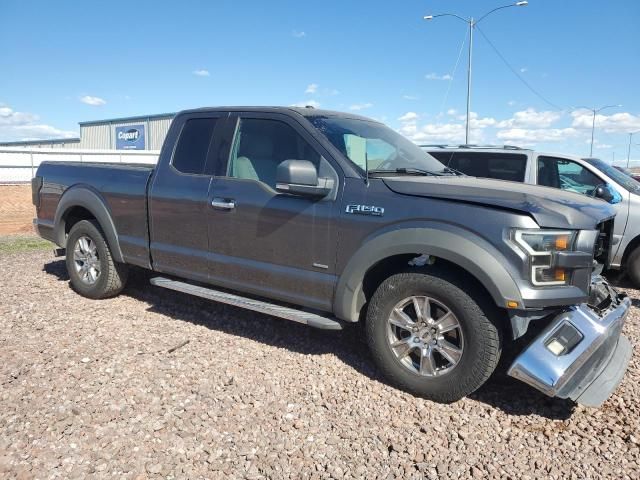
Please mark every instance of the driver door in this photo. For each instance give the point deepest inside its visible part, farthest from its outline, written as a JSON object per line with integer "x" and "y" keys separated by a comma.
{"x": 267, "y": 243}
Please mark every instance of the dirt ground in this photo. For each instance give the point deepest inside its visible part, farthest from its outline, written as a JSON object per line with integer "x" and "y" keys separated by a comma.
{"x": 111, "y": 389}
{"x": 16, "y": 209}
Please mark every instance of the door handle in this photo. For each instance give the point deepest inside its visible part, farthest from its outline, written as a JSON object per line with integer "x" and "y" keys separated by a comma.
{"x": 223, "y": 204}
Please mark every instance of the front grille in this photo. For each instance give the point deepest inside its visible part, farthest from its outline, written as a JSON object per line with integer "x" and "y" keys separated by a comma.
{"x": 603, "y": 242}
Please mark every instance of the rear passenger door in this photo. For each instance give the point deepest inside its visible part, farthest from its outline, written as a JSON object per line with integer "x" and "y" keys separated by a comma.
{"x": 264, "y": 242}
{"x": 178, "y": 197}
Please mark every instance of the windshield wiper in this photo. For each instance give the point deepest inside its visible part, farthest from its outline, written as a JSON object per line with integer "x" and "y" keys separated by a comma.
{"x": 454, "y": 171}
{"x": 407, "y": 171}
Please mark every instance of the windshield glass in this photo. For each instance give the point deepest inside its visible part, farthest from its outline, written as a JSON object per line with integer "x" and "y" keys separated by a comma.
{"x": 373, "y": 145}
{"x": 621, "y": 178}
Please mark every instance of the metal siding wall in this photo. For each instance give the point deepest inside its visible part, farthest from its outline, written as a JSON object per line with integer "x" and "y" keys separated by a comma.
{"x": 158, "y": 129}
{"x": 95, "y": 136}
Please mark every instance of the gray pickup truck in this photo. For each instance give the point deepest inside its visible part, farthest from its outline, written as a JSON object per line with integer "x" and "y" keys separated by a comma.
{"x": 281, "y": 211}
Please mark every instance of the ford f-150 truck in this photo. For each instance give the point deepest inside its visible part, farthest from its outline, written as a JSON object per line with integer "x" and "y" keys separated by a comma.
{"x": 328, "y": 219}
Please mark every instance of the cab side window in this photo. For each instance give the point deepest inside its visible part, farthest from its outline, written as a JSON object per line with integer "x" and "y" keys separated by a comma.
{"x": 567, "y": 175}
{"x": 193, "y": 145}
{"x": 260, "y": 145}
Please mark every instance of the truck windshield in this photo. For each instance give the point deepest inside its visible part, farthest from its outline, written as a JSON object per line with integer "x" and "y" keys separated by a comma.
{"x": 372, "y": 145}
{"x": 620, "y": 178}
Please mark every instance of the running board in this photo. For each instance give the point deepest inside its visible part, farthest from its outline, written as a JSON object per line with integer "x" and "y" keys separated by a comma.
{"x": 307, "y": 318}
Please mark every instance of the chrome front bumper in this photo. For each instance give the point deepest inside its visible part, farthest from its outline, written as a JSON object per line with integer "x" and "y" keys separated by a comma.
{"x": 594, "y": 367}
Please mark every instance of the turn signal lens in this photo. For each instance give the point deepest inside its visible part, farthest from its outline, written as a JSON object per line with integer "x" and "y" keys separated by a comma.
{"x": 550, "y": 276}
{"x": 562, "y": 243}
{"x": 512, "y": 304}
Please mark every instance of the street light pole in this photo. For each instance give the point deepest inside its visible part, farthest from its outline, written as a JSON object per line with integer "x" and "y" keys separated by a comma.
{"x": 593, "y": 122}
{"x": 631, "y": 134}
{"x": 468, "y": 125}
{"x": 472, "y": 24}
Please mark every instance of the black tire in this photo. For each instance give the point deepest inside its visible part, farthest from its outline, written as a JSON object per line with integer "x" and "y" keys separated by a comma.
{"x": 481, "y": 334}
{"x": 112, "y": 275}
{"x": 633, "y": 267}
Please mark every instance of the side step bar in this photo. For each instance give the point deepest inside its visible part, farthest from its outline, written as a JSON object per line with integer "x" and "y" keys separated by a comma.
{"x": 308, "y": 318}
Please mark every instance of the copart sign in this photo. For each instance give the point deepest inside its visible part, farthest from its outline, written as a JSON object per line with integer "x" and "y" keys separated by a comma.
{"x": 130, "y": 137}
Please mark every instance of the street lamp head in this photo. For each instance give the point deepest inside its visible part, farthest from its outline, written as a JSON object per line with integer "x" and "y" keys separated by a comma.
{"x": 428, "y": 17}
{"x": 522, "y": 4}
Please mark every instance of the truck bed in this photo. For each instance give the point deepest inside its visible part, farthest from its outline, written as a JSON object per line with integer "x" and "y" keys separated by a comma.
{"x": 121, "y": 187}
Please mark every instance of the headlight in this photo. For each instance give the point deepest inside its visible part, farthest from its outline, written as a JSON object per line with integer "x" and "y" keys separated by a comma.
{"x": 541, "y": 247}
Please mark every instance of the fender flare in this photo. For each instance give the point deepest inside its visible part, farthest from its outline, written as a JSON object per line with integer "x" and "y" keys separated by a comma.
{"x": 83, "y": 196}
{"x": 473, "y": 254}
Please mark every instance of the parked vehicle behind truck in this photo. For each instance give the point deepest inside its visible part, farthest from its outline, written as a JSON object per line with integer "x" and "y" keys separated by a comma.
{"x": 279, "y": 210}
{"x": 588, "y": 176}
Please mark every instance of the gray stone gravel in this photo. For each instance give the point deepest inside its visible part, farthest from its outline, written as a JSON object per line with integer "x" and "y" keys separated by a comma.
{"x": 87, "y": 389}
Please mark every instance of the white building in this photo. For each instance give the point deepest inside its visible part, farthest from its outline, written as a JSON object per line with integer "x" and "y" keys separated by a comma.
{"x": 144, "y": 132}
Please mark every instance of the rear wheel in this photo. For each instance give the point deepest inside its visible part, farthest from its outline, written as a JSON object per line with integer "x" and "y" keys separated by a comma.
{"x": 430, "y": 337}
{"x": 92, "y": 270}
{"x": 633, "y": 267}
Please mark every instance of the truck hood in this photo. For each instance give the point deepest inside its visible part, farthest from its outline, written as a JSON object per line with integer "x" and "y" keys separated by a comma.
{"x": 549, "y": 207}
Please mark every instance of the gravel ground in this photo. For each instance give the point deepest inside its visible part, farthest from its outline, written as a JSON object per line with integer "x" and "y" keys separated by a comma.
{"x": 89, "y": 388}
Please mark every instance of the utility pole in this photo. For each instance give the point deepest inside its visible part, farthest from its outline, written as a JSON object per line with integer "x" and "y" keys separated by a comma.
{"x": 594, "y": 111}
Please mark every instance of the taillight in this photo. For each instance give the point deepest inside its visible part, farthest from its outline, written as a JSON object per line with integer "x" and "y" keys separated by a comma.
{"x": 36, "y": 185}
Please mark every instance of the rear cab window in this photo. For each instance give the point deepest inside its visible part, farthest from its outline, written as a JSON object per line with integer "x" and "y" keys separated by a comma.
{"x": 497, "y": 165}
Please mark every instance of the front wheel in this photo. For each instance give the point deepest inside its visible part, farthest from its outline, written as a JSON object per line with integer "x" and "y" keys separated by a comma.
{"x": 430, "y": 337}
{"x": 633, "y": 267}
{"x": 92, "y": 270}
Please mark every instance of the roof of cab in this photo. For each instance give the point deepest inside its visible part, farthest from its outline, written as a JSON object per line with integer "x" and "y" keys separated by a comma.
{"x": 304, "y": 111}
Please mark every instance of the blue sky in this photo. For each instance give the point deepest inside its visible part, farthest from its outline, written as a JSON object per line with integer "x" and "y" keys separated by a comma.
{"x": 70, "y": 61}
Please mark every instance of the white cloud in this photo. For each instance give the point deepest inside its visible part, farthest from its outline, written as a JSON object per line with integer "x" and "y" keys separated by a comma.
{"x": 531, "y": 118}
{"x": 597, "y": 144}
{"x": 524, "y": 70}
{"x": 408, "y": 117}
{"x": 484, "y": 122}
{"x": 440, "y": 133}
{"x": 435, "y": 76}
{"x": 306, "y": 103}
{"x": 94, "y": 101}
{"x": 452, "y": 111}
{"x": 312, "y": 88}
{"x": 360, "y": 106}
{"x": 411, "y": 97}
{"x": 511, "y": 103}
{"x": 16, "y": 126}
{"x": 201, "y": 73}
{"x": 526, "y": 136}
{"x": 298, "y": 34}
{"x": 616, "y": 123}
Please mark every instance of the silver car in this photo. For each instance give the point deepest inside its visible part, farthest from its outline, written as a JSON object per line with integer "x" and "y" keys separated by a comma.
{"x": 587, "y": 176}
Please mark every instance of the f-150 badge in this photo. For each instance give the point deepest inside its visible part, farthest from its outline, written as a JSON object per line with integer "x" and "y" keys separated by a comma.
{"x": 365, "y": 210}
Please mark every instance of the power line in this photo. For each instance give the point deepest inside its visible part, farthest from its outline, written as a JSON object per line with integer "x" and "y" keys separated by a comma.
{"x": 515, "y": 72}
{"x": 453, "y": 74}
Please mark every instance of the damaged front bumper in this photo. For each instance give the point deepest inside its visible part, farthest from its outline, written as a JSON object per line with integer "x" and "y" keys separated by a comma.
{"x": 581, "y": 354}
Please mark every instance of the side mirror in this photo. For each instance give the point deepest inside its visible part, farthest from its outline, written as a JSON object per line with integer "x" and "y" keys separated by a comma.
{"x": 608, "y": 194}
{"x": 300, "y": 177}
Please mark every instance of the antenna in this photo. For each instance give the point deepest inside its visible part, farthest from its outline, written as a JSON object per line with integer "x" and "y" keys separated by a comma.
{"x": 366, "y": 169}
